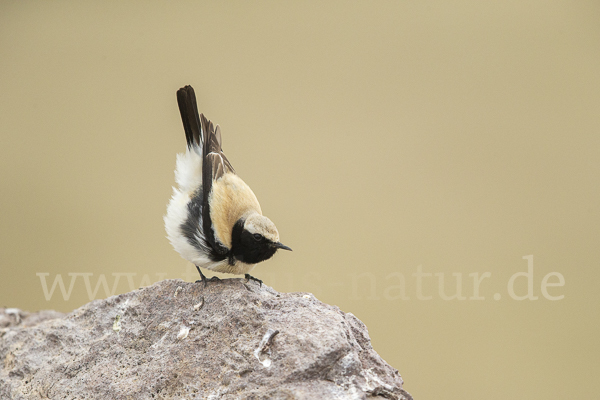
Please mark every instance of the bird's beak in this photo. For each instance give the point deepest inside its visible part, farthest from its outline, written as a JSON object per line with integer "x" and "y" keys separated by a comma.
{"x": 280, "y": 245}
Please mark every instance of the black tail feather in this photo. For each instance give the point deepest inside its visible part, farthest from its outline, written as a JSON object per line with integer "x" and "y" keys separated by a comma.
{"x": 186, "y": 99}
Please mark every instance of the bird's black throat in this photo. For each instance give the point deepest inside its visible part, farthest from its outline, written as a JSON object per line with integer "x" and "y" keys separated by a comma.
{"x": 245, "y": 248}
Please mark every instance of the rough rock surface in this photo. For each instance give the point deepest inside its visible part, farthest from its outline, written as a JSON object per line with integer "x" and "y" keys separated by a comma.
{"x": 177, "y": 340}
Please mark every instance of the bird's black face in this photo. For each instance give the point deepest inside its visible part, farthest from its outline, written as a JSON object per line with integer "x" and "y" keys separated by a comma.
{"x": 252, "y": 248}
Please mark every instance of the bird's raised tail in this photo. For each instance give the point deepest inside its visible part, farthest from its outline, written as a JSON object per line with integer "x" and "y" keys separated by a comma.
{"x": 186, "y": 99}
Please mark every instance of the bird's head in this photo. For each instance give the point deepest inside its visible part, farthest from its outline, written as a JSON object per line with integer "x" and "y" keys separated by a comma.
{"x": 255, "y": 239}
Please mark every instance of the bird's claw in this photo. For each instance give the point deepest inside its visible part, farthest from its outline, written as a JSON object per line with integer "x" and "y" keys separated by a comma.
{"x": 205, "y": 279}
{"x": 250, "y": 277}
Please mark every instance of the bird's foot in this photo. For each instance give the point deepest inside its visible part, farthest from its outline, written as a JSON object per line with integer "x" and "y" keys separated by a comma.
{"x": 201, "y": 276}
{"x": 205, "y": 279}
{"x": 250, "y": 277}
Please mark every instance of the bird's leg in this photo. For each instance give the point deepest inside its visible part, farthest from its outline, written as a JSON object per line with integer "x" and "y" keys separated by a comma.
{"x": 204, "y": 279}
{"x": 250, "y": 277}
{"x": 201, "y": 276}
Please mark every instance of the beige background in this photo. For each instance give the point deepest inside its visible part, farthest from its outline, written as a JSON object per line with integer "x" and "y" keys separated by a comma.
{"x": 379, "y": 136}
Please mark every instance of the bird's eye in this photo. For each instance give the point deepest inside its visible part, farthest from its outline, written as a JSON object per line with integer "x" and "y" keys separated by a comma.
{"x": 257, "y": 236}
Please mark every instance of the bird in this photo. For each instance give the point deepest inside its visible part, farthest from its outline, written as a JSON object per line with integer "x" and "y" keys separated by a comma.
{"x": 213, "y": 218}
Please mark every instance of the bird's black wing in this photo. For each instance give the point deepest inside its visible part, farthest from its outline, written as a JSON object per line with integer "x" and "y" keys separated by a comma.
{"x": 201, "y": 133}
{"x": 215, "y": 164}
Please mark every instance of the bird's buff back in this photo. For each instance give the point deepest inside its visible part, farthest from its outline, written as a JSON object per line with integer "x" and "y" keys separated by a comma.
{"x": 230, "y": 199}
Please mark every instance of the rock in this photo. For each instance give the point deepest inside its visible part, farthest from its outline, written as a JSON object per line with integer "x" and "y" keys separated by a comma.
{"x": 229, "y": 340}
{"x": 13, "y": 316}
